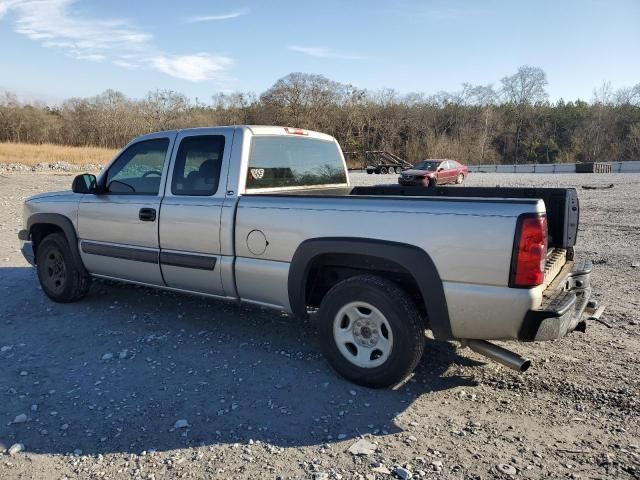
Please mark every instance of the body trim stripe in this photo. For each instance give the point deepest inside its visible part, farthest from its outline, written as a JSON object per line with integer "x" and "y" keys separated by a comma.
{"x": 188, "y": 260}
{"x": 119, "y": 251}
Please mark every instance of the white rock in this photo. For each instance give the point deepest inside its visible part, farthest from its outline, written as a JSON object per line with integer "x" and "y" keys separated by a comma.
{"x": 77, "y": 451}
{"x": 15, "y": 448}
{"x": 107, "y": 356}
{"x": 34, "y": 408}
{"x": 342, "y": 436}
{"x": 20, "y": 418}
{"x": 24, "y": 373}
{"x": 362, "y": 447}
{"x": 5, "y": 348}
{"x": 182, "y": 423}
{"x": 507, "y": 469}
{"x": 381, "y": 469}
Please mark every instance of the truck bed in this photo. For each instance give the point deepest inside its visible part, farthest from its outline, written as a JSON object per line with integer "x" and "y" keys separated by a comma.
{"x": 561, "y": 204}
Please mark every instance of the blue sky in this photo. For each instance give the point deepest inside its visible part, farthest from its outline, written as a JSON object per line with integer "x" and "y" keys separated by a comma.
{"x": 55, "y": 49}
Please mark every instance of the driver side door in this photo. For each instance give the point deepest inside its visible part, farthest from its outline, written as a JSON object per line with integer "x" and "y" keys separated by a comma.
{"x": 118, "y": 228}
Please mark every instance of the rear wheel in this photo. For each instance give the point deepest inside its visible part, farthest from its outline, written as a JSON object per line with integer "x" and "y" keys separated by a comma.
{"x": 371, "y": 331}
{"x": 383, "y": 170}
{"x": 398, "y": 170}
{"x": 460, "y": 178}
{"x": 61, "y": 279}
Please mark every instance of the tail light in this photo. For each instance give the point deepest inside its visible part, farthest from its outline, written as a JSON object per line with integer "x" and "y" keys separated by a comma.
{"x": 295, "y": 131}
{"x": 530, "y": 252}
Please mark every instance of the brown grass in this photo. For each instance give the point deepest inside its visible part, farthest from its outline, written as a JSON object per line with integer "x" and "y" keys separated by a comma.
{"x": 29, "y": 154}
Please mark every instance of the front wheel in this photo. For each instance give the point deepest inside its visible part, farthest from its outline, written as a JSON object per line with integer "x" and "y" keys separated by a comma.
{"x": 61, "y": 279}
{"x": 460, "y": 178}
{"x": 371, "y": 331}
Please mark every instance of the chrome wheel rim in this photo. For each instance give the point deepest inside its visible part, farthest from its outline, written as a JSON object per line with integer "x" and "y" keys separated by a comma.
{"x": 363, "y": 335}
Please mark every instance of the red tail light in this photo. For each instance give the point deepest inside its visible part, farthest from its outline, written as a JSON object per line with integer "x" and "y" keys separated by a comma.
{"x": 530, "y": 252}
{"x": 295, "y": 131}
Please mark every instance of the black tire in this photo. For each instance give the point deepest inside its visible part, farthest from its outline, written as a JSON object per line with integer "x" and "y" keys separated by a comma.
{"x": 61, "y": 279}
{"x": 433, "y": 182}
{"x": 400, "y": 312}
{"x": 460, "y": 178}
{"x": 369, "y": 172}
{"x": 383, "y": 170}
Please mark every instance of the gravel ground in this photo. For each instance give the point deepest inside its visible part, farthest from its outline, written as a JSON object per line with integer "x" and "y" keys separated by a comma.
{"x": 135, "y": 383}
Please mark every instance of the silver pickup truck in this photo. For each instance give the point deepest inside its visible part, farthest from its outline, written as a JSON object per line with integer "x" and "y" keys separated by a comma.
{"x": 266, "y": 215}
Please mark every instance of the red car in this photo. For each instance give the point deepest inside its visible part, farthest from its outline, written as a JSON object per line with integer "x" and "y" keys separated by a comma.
{"x": 434, "y": 172}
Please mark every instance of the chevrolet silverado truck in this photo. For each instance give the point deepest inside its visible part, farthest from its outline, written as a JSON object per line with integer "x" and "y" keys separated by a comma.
{"x": 267, "y": 216}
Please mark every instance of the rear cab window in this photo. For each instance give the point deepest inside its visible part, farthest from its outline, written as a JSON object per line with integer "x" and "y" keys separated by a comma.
{"x": 293, "y": 162}
{"x": 197, "y": 166}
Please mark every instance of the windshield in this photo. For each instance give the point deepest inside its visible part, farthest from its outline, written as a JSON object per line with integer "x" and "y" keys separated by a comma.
{"x": 425, "y": 165}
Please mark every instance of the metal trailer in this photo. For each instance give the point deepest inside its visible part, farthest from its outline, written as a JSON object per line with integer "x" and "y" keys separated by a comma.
{"x": 380, "y": 161}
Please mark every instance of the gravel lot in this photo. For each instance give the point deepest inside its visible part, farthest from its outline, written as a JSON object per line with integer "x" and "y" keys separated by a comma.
{"x": 134, "y": 383}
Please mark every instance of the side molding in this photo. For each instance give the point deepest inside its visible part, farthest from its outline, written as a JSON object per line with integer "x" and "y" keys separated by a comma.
{"x": 413, "y": 259}
{"x": 65, "y": 225}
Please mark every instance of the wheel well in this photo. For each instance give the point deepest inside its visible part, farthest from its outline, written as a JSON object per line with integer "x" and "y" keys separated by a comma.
{"x": 41, "y": 230}
{"x": 326, "y": 270}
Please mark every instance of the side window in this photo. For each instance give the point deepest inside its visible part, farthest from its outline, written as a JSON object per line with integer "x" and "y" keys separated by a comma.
{"x": 138, "y": 169}
{"x": 448, "y": 165}
{"x": 197, "y": 166}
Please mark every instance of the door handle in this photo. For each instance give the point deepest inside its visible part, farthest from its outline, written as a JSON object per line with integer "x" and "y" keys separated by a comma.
{"x": 147, "y": 214}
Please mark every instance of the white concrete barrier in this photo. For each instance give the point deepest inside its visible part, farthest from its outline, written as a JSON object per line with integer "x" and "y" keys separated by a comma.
{"x": 621, "y": 167}
{"x": 628, "y": 167}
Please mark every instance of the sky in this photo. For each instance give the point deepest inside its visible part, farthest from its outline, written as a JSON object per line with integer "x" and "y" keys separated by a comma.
{"x": 56, "y": 49}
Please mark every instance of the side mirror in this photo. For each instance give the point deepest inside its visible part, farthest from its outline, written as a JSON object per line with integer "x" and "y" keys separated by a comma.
{"x": 85, "y": 183}
{"x": 440, "y": 169}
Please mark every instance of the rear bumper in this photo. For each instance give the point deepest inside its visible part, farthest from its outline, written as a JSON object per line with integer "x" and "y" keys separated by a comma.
{"x": 563, "y": 305}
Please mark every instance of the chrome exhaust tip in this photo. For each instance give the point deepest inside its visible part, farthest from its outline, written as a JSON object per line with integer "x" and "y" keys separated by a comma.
{"x": 499, "y": 354}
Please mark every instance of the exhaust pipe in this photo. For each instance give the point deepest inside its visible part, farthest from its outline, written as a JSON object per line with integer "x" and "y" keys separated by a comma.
{"x": 499, "y": 354}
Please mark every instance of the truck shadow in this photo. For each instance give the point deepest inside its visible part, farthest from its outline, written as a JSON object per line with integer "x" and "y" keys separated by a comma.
{"x": 116, "y": 371}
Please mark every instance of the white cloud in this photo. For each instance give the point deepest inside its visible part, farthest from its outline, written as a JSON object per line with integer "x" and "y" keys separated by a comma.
{"x": 55, "y": 25}
{"x": 322, "y": 52}
{"x": 196, "y": 67}
{"x": 225, "y": 16}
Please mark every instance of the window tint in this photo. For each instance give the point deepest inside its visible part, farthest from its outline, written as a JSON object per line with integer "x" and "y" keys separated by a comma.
{"x": 197, "y": 166}
{"x": 294, "y": 162}
{"x": 139, "y": 168}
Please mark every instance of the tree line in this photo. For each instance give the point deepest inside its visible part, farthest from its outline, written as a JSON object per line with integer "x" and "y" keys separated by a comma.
{"x": 513, "y": 122}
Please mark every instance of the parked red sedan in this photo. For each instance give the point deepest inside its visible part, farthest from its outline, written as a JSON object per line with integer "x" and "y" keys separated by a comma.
{"x": 434, "y": 172}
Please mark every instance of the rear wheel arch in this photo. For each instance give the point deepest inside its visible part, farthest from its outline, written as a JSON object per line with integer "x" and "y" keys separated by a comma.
{"x": 406, "y": 265}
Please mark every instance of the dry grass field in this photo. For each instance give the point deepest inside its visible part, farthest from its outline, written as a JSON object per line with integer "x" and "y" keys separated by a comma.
{"x": 28, "y": 154}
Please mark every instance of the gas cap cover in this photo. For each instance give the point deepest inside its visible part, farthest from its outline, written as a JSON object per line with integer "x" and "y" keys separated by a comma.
{"x": 257, "y": 242}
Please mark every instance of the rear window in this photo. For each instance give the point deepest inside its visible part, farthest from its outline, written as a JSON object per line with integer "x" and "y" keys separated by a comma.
{"x": 294, "y": 162}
